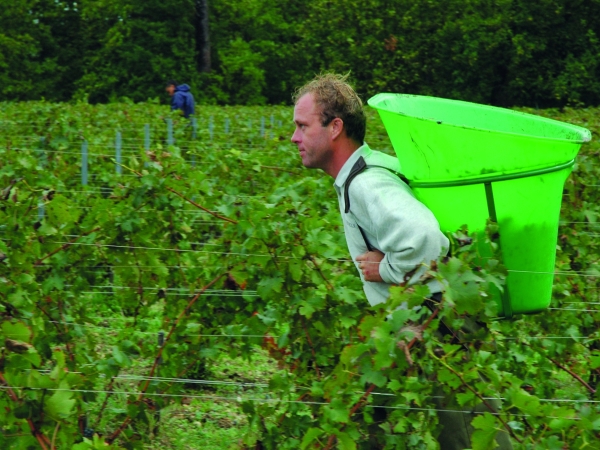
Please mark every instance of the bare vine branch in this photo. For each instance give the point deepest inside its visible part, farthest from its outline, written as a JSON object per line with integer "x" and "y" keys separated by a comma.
{"x": 212, "y": 213}
{"x": 41, "y": 438}
{"x": 64, "y": 246}
{"x": 574, "y": 375}
{"x": 146, "y": 384}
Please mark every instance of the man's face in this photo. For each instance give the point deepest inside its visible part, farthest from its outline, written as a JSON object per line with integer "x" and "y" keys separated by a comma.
{"x": 312, "y": 139}
{"x": 170, "y": 89}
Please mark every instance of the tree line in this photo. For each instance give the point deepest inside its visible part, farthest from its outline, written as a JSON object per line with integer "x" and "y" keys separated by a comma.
{"x": 540, "y": 53}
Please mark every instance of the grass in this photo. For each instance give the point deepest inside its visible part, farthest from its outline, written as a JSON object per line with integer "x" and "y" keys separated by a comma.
{"x": 215, "y": 424}
{"x": 208, "y": 417}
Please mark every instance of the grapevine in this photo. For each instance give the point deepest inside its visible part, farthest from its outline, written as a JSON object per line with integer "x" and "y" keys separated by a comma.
{"x": 229, "y": 247}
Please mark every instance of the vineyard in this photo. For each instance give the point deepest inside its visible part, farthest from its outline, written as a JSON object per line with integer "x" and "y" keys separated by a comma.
{"x": 160, "y": 276}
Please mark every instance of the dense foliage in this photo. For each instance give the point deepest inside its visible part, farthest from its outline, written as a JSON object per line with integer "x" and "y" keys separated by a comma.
{"x": 503, "y": 52}
{"x": 225, "y": 243}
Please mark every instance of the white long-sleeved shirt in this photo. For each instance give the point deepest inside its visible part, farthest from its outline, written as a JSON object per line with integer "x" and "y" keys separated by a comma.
{"x": 393, "y": 220}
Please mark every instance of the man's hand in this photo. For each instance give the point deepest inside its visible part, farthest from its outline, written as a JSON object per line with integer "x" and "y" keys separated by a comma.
{"x": 369, "y": 265}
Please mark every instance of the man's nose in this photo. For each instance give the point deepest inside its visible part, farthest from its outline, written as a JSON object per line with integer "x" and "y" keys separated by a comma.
{"x": 295, "y": 139}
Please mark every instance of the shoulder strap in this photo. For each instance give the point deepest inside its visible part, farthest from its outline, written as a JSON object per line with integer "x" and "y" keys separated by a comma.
{"x": 359, "y": 166}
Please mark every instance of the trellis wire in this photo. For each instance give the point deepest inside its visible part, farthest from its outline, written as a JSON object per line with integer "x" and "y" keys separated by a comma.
{"x": 137, "y": 151}
{"x": 282, "y": 256}
{"x": 574, "y": 309}
{"x": 166, "y": 289}
{"x": 226, "y": 291}
{"x": 266, "y": 385}
{"x": 231, "y": 294}
{"x": 303, "y": 388}
{"x": 260, "y": 255}
{"x": 104, "y": 191}
{"x": 153, "y": 333}
{"x": 253, "y": 336}
{"x": 239, "y": 399}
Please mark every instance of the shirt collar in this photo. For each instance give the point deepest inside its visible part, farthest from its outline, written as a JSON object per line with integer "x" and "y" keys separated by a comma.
{"x": 342, "y": 176}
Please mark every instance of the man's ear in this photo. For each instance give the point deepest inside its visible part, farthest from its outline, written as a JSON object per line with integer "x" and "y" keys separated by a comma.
{"x": 337, "y": 127}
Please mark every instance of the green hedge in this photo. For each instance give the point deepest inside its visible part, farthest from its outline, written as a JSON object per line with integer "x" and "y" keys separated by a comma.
{"x": 504, "y": 52}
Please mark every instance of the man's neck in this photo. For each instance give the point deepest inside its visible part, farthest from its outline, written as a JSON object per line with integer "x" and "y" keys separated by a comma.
{"x": 340, "y": 156}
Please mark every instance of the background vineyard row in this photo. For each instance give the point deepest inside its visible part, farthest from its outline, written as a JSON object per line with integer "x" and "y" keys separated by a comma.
{"x": 213, "y": 271}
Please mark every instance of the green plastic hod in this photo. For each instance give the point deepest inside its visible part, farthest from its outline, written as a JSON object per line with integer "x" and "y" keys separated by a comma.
{"x": 470, "y": 162}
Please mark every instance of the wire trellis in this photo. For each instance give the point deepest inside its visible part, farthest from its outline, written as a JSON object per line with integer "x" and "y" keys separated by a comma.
{"x": 153, "y": 333}
{"x": 262, "y": 255}
{"x": 253, "y": 336}
{"x": 135, "y": 147}
{"x": 240, "y": 399}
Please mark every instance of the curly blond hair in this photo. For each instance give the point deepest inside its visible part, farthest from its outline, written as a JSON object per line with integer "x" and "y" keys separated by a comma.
{"x": 337, "y": 98}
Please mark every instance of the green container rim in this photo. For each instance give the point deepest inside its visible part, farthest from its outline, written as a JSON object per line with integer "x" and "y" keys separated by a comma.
{"x": 492, "y": 178}
{"x": 377, "y": 101}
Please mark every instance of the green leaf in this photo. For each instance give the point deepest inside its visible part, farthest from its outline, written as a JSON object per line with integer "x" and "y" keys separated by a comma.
{"x": 46, "y": 229}
{"x": 267, "y": 286}
{"x": 484, "y": 438}
{"x": 310, "y": 436}
{"x": 27, "y": 163}
{"x": 595, "y": 361}
{"x": 394, "y": 385}
{"x": 353, "y": 352}
{"x": 463, "y": 288}
{"x": 347, "y": 322}
{"x": 413, "y": 397}
{"x": 53, "y": 282}
{"x": 60, "y": 404}
{"x": 447, "y": 377}
{"x": 61, "y": 211}
{"x": 295, "y": 267}
{"x": 298, "y": 251}
{"x": 17, "y": 331}
{"x": 345, "y": 441}
{"x": 561, "y": 423}
{"x": 25, "y": 278}
{"x": 401, "y": 425}
{"x": 337, "y": 411}
{"x": 33, "y": 357}
{"x": 279, "y": 381}
{"x": 399, "y": 318}
{"x": 18, "y": 298}
{"x": 306, "y": 309}
{"x": 367, "y": 324}
{"x": 464, "y": 398}
{"x": 375, "y": 377}
{"x": 552, "y": 443}
{"x": 527, "y": 403}
{"x": 120, "y": 357}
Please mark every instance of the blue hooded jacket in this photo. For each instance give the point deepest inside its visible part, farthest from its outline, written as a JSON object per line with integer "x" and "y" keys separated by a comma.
{"x": 183, "y": 99}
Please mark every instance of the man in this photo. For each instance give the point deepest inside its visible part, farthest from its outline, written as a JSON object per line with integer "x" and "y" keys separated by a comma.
{"x": 379, "y": 210}
{"x": 181, "y": 98}
{"x": 392, "y": 237}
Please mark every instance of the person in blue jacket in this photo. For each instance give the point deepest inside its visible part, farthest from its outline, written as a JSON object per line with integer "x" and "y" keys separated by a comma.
{"x": 181, "y": 98}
